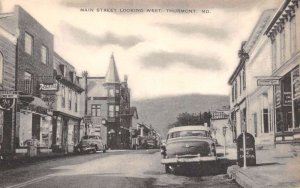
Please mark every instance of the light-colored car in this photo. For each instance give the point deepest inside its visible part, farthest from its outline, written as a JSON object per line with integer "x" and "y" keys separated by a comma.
{"x": 90, "y": 143}
{"x": 188, "y": 145}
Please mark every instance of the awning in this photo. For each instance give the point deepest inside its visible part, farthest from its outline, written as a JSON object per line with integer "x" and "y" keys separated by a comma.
{"x": 37, "y": 105}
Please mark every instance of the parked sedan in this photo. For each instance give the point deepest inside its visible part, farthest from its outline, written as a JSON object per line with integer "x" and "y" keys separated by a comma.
{"x": 187, "y": 145}
{"x": 90, "y": 143}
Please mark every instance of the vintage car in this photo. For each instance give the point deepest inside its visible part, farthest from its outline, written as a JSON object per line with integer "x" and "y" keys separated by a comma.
{"x": 187, "y": 145}
{"x": 90, "y": 143}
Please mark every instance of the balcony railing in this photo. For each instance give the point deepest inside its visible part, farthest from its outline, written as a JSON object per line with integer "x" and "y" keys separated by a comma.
{"x": 26, "y": 86}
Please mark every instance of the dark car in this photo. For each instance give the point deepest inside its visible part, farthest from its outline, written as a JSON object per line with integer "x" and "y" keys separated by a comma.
{"x": 90, "y": 143}
{"x": 188, "y": 145}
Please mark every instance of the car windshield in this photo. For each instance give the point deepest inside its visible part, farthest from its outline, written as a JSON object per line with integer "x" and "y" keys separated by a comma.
{"x": 188, "y": 133}
{"x": 90, "y": 137}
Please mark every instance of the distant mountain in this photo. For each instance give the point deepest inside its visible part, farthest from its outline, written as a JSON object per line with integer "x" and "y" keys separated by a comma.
{"x": 160, "y": 112}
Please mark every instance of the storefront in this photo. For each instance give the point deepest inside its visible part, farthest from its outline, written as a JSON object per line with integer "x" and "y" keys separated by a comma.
{"x": 66, "y": 132}
{"x": 287, "y": 105}
{"x": 34, "y": 124}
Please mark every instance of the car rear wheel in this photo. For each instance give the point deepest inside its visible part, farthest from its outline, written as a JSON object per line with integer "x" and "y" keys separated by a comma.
{"x": 167, "y": 169}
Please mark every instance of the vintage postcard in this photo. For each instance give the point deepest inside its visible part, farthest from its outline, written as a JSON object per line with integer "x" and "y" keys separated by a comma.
{"x": 157, "y": 93}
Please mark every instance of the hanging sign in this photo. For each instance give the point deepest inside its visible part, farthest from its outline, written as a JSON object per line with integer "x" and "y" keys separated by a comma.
{"x": 7, "y": 103}
{"x": 49, "y": 87}
{"x": 268, "y": 81}
{"x": 7, "y": 99}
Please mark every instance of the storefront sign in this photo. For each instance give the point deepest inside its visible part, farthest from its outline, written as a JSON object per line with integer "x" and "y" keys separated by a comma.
{"x": 87, "y": 119}
{"x": 49, "y": 87}
{"x": 287, "y": 98}
{"x": 269, "y": 81}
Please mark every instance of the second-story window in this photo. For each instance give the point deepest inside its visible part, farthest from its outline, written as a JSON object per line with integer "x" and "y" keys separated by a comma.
{"x": 244, "y": 79}
{"x": 63, "y": 97}
{"x": 70, "y": 99}
{"x": 28, "y": 44}
{"x": 235, "y": 90}
{"x": 241, "y": 83}
{"x": 44, "y": 54}
{"x": 293, "y": 35}
{"x": 28, "y": 82}
{"x": 274, "y": 54}
{"x": 96, "y": 110}
{"x": 111, "y": 111}
{"x": 232, "y": 93}
{"x": 76, "y": 102}
{"x": 117, "y": 110}
{"x": 111, "y": 92}
{"x": 282, "y": 46}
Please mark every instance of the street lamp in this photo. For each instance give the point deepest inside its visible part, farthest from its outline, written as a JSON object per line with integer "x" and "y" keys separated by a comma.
{"x": 224, "y": 134}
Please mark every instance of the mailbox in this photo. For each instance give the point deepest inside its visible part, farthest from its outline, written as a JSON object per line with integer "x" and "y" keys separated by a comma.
{"x": 250, "y": 150}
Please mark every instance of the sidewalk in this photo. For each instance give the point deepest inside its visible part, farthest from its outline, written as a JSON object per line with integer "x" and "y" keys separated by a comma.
{"x": 276, "y": 167}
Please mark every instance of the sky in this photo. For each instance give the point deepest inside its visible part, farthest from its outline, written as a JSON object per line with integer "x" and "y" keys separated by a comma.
{"x": 163, "y": 53}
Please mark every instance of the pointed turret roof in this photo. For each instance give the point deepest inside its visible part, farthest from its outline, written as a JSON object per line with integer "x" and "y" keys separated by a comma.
{"x": 112, "y": 75}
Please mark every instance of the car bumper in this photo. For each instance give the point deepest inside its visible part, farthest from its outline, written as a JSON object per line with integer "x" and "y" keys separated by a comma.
{"x": 188, "y": 160}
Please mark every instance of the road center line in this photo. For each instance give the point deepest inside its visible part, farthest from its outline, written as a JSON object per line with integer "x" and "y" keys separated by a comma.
{"x": 35, "y": 180}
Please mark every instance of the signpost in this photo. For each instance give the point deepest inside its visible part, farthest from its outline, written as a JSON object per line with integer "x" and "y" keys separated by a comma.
{"x": 224, "y": 134}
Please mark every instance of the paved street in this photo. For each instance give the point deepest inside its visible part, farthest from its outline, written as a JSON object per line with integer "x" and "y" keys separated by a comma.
{"x": 140, "y": 168}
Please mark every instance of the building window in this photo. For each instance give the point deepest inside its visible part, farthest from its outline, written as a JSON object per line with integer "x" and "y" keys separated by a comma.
{"x": 274, "y": 56}
{"x": 244, "y": 79}
{"x": 27, "y": 83}
{"x": 96, "y": 110}
{"x": 282, "y": 46}
{"x": 111, "y": 92}
{"x": 1, "y": 68}
{"x": 235, "y": 90}
{"x": 28, "y": 43}
{"x": 240, "y": 80}
{"x": 117, "y": 91}
{"x": 117, "y": 110}
{"x": 232, "y": 93}
{"x": 44, "y": 54}
{"x": 266, "y": 120}
{"x": 63, "y": 97}
{"x": 111, "y": 111}
{"x": 70, "y": 99}
{"x": 293, "y": 35}
{"x": 76, "y": 102}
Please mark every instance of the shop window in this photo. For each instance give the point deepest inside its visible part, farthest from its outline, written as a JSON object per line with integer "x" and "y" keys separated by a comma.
{"x": 111, "y": 111}
{"x": 1, "y": 68}
{"x": 44, "y": 54}
{"x": 28, "y": 43}
{"x": 96, "y": 110}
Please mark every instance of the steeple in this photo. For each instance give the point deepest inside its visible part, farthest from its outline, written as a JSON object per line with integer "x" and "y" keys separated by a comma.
{"x": 112, "y": 75}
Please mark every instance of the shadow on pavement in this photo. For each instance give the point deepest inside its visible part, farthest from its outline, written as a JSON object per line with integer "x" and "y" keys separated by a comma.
{"x": 267, "y": 164}
{"x": 204, "y": 169}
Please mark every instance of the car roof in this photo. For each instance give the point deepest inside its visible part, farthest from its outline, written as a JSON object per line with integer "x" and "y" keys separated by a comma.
{"x": 189, "y": 128}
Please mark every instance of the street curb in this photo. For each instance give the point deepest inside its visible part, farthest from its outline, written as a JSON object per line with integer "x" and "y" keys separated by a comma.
{"x": 236, "y": 173}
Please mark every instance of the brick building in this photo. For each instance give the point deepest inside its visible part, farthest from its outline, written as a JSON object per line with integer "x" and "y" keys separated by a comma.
{"x": 8, "y": 41}
{"x": 107, "y": 107}
{"x": 34, "y": 65}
